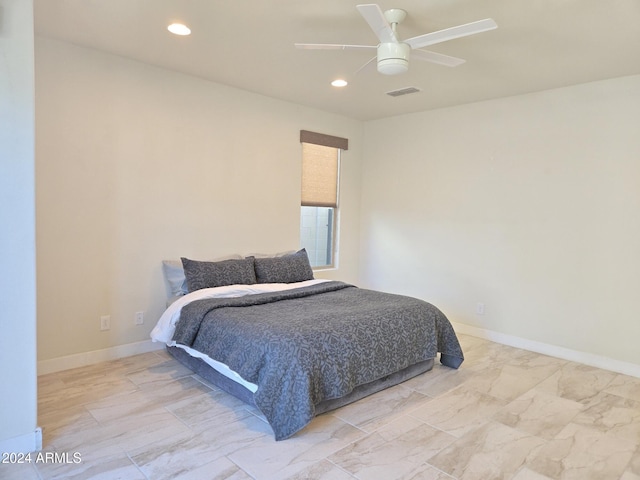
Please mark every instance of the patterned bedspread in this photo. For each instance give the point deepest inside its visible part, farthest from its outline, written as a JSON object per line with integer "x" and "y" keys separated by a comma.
{"x": 316, "y": 343}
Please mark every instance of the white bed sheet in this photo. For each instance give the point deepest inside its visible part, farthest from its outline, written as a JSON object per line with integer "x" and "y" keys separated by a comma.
{"x": 166, "y": 326}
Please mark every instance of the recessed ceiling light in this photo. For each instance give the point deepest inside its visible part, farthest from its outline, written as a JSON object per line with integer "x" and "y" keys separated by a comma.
{"x": 339, "y": 83}
{"x": 179, "y": 29}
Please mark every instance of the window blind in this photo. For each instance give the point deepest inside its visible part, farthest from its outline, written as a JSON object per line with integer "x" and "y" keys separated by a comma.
{"x": 319, "y": 176}
{"x": 320, "y": 155}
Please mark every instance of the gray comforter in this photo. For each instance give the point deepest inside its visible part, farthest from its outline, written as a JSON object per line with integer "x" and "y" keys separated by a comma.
{"x": 316, "y": 343}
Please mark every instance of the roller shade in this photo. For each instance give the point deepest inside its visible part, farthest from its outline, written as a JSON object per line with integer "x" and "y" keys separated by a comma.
{"x": 320, "y": 157}
{"x": 319, "y": 176}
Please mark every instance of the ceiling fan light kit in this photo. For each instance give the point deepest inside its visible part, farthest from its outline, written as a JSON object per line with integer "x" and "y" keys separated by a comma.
{"x": 393, "y": 58}
{"x": 392, "y": 53}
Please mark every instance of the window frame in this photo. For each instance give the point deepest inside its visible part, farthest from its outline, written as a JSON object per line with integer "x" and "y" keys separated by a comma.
{"x": 339, "y": 144}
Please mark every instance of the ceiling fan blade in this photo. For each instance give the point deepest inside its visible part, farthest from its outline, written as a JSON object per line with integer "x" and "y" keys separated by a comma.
{"x": 438, "y": 58}
{"x": 331, "y": 46}
{"x": 374, "y": 16}
{"x": 366, "y": 65}
{"x": 451, "y": 33}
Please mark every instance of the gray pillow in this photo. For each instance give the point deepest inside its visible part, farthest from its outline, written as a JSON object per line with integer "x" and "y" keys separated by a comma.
{"x": 174, "y": 274}
{"x": 285, "y": 269}
{"x": 201, "y": 275}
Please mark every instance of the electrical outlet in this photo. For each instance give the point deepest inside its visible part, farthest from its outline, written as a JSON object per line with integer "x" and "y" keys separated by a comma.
{"x": 105, "y": 322}
{"x": 139, "y": 318}
{"x": 480, "y": 308}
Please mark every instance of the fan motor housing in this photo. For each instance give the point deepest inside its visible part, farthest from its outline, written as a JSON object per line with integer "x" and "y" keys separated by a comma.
{"x": 393, "y": 58}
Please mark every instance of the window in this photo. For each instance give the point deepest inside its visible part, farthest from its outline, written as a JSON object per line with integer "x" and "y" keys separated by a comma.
{"x": 320, "y": 186}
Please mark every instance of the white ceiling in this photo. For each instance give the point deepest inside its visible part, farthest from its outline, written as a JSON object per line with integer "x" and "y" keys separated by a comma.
{"x": 248, "y": 44}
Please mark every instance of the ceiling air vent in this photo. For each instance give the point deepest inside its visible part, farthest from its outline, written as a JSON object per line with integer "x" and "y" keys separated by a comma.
{"x": 403, "y": 91}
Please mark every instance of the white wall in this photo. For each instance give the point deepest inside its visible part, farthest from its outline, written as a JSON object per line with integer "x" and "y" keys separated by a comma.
{"x": 526, "y": 204}
{"x": 137, "y": 164}
{"x": 529, "y": 204}
{"x": 17, "y": 220}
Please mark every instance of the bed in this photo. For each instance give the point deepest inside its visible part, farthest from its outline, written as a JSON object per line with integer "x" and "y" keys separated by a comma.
{"x": 266, "y": 331}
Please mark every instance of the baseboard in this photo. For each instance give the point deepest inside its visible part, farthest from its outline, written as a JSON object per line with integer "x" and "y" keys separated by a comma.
{"x": 585, "y": 358}
{"x": 29, "y": 442}
{"x": 120, "y": 351}
{"x": 88, "y": 358}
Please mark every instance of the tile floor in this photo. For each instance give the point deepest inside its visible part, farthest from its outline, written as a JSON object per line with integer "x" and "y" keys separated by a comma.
{"x": 505, "y": 414}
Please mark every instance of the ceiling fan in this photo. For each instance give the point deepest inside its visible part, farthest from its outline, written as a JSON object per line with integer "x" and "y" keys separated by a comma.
{"x": 393, "y": 53}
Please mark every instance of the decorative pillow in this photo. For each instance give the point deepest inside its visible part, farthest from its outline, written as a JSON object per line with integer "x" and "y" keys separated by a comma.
{"x": 174, "y": 274}
{"x": 218, "y": 274}
{"x": 290, "y": 268}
